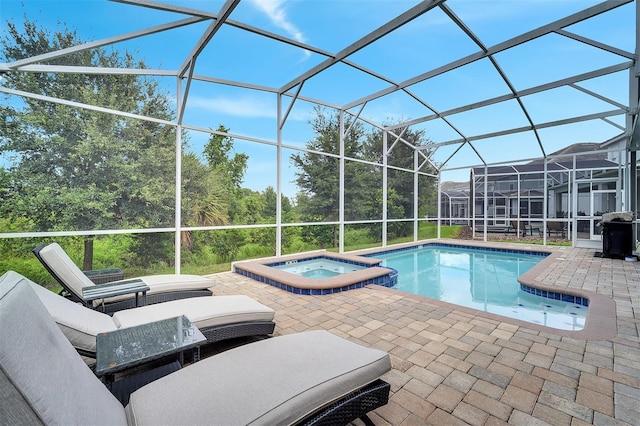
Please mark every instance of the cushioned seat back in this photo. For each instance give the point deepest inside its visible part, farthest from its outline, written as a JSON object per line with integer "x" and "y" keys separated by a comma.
{"x": 63, "y": 269}
{"x": 79, "y": 324}
{"x": 42, "y": 377}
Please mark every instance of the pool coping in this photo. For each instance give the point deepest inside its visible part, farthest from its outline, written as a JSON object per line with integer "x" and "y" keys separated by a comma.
{"x": 601, "y": 320}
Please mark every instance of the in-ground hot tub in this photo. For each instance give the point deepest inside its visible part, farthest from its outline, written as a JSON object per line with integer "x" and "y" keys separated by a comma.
{"x": 318, "y": 273}
{"x": 319, "y": 268}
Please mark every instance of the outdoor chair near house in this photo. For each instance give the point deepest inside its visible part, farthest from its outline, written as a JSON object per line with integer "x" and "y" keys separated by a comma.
{"x": 513, "y": 227}
{"x": 162, "y": 288}
{"x": 313, "y": 377}
{"x": 218, "y": 317}
{"x": 557, "y": 228}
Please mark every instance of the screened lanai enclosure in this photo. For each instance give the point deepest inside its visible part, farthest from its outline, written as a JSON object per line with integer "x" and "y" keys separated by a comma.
{"x": 187, "y": 133}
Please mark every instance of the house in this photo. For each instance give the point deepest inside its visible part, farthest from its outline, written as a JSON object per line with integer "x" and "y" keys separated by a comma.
{"x": 576, "y": 184}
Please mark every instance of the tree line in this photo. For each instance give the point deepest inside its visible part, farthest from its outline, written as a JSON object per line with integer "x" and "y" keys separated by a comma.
{"x": 72, "y": 169}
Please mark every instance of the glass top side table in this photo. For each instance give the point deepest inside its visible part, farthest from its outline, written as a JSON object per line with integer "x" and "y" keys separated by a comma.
{"x": 126, "y": 348}
{"x": 102, "y": 291}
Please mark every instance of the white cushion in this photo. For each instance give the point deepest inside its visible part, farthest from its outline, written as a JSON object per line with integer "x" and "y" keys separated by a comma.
{"x": 274, "y": 381}
{"x": 202, "y": 311}
{"x": 60, "y": 262}
{"x": 79, "y": 324}
{"x": 166, "y": 283}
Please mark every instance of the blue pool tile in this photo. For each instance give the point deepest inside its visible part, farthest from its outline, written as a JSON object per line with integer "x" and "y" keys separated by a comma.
{"x": 583, "y": 301}
{"x": 486, "y": 249}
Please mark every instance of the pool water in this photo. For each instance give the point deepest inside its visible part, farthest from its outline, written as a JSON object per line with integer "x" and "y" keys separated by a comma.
{"x": 480, "y": 279}
{"x": 318, "y": 268}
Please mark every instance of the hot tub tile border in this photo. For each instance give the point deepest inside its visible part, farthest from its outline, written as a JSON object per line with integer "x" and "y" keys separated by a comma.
{"x": 388, "y": 280}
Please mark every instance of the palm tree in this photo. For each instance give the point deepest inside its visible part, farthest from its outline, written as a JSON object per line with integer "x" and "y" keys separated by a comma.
{"x": 204, "y": 198}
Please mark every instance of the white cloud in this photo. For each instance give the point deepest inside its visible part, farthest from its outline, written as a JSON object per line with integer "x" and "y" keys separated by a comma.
{"x": 244, "y": 106}
{"x": 275, "y": 11}
{"x": 239, "y": 107}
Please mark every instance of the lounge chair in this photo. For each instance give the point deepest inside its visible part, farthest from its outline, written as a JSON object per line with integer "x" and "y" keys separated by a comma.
{"x": 513, "y": 227}
{"x": 557, "y": 228}
{"x": 302, "y": 378}
{"x": 161, "y": 287}
{"x": 217, "y": 317}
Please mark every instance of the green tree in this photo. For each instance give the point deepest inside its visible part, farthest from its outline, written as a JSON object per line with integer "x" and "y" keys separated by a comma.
{"x": 252, "y": 206}
{"x": 318, "y": 175}
{"x": 204, "y": 199}
{"x": 79, "y": 169}
{"x": 270, "y": 200}
{"x": 229, "y": 169}
{"x": 400, "y": 184}
{"x": 227, "y": 242}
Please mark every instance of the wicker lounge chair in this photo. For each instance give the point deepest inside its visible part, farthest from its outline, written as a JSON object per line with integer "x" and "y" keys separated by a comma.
{"x": 302, "y": 378}
{"x": 161, "y": 287}
{"x": 217, "y": 317}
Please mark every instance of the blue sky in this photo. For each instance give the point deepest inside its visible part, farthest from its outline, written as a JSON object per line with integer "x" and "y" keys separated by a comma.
{"x": 428, "y": 42}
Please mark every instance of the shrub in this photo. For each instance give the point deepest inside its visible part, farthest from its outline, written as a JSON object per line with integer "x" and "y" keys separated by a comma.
{"x": 355, "y": 237}
{"x": 253, "y": 251}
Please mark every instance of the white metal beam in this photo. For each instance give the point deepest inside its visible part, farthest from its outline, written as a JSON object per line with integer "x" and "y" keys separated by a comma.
{"x": 99, "y": 43}
{"x": 82, "y": 105}
{"x": 526, "y": 92}
{"x": 225, "y": 11}
{"x": 385, "y": 29}
{"x": 523, "y": 38}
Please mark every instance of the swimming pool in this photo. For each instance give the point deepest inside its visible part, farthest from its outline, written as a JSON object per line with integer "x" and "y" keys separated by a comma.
{"x": 483, "y": 279}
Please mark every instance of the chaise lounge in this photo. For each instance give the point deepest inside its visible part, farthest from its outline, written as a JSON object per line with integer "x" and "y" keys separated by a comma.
{"x": 303, "y": 378}
{"x": 217, "y": 317}
{"x": 161, "y": 287}
{"x": 558, "y": 228}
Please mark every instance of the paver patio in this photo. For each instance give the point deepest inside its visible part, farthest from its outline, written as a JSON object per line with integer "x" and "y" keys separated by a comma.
{"x": 457, "y": 366}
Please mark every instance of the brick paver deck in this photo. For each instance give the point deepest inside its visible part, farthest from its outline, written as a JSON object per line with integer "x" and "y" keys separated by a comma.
{"x": 457, "y": 366}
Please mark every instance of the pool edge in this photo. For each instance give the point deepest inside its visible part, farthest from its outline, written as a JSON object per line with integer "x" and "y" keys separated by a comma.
{"x": 601, "y": 320}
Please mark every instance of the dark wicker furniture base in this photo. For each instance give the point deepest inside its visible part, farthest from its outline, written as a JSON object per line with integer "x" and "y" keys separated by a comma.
{"x": 243, "y": 329}
{"x": 356, "y": 405}
{"x": 102, "y": 276}
{"x": 121, "y": 389}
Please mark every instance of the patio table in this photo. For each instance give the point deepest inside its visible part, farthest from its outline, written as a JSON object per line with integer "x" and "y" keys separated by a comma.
{"x": 102, "y": 291}
{"x": 127, "y": 348}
